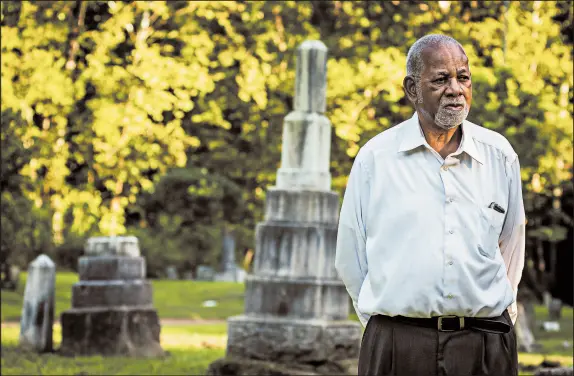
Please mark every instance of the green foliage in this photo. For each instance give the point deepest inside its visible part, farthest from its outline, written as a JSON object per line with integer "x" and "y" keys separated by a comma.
{"x": 26, "y": 230}
{"x": 185, "y": 214}
{"x": 164, "y": 119}
{"x": 66, "y": 255}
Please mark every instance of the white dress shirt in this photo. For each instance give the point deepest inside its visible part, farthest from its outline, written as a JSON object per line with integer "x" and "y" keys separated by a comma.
{"x": 416, "y": 235}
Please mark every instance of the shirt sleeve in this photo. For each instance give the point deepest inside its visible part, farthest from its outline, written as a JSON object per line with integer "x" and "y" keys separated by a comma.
{"x": 513, "y": 236}
{"x": 350, "y": 259}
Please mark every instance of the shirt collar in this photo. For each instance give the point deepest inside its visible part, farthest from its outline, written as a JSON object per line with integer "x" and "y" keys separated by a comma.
{"x": 413, "y": 137}
{"x": 468, "y": 143}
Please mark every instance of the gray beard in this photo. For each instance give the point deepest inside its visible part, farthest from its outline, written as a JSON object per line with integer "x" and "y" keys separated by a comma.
{"x": 447, "y": 119}
{"x": 444, "y": 118}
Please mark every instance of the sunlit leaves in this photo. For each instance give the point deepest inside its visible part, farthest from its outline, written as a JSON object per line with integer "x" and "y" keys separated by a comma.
{"x": 160, "y": 85}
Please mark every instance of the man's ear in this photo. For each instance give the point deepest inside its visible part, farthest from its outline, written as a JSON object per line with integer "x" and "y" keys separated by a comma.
{"x": 410, "y": 88}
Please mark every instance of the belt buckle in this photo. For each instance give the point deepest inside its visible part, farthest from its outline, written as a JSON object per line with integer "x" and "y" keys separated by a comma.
{"x": 460, "y": 323}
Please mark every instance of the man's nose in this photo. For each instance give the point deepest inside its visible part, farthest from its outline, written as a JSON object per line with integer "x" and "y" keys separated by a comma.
{"x": 453, "y": 89}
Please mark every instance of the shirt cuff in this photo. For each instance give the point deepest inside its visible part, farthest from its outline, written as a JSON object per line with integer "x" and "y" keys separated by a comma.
{"x": 513, "y": 312}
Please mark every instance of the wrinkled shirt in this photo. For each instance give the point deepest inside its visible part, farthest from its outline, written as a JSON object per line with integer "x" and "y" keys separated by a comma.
{"x": 418, "y": 235}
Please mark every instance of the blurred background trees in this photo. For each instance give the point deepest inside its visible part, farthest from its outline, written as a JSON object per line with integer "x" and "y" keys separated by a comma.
{"x": 164, "y": 119}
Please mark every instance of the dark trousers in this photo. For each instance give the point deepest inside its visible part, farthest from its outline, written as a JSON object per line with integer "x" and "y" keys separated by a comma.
{"x": 394, "y": 348}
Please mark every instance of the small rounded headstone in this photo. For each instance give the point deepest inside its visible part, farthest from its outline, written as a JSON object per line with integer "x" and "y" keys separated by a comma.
{"x": 42, "y": 262}
{"x": 36, "y": 324}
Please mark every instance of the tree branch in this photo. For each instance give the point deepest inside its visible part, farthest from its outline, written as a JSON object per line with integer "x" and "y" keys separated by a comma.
{"x": 76, "y": 30}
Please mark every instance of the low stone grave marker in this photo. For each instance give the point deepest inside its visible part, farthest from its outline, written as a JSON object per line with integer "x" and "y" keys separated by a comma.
{"x": 112, "y": 309}
{"x": 205, "y": 273}
{"x": 171, "y": 273}
{"x": 554, "y": 309}
{"x": 187, "y": 275}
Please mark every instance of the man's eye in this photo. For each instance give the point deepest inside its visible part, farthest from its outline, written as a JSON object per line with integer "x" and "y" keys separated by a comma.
{"x": 440, "y": 81}
{"x": 463, "y": 78}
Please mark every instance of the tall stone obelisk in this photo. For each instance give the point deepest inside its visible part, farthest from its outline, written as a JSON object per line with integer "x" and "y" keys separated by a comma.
{"x": 296, "y": 307}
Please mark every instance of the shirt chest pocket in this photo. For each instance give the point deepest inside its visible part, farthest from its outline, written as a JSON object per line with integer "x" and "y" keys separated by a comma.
{"x": 491, "y": 222}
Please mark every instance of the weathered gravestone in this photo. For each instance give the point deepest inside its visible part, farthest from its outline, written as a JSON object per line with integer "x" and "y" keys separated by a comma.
{"x": 554, "y": 309}
{"x": 296, "y": 307}
{"x": 559, "y": 371}
{"x": 205, "y": 273}
{"x": 546, "y": 298}
{"x": 112, "y": 310}
{"x": 14, "y": 276}
{"x": 231, "y": 271}
{"x": 187, "y": 275}
{"x": 524, "y": 335}
{"x": 10, "y": 276}
{"x": 36, "y": 323}
{"x": 171, "y": 273}
{"x": 554, "y": 314}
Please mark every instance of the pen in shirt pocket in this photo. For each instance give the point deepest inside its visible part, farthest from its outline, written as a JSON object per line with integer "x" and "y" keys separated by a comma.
{"x": 495, "y": 206}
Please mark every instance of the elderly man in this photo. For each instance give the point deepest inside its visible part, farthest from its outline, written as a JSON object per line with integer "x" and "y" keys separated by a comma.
{"x": 431, "y": 234}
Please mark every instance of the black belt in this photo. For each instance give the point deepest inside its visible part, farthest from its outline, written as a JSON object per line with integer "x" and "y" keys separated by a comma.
{"x": 454, "y": 323}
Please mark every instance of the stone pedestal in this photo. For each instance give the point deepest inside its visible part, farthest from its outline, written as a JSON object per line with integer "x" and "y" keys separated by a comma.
{"x": 128, "y": 331}
{"x": 292, "y": 341}
{"x": 560, "y": 371}
{"x": 296, "y": 307}
{"x": 112, "y": 305}
{"x": 235, "y": 366}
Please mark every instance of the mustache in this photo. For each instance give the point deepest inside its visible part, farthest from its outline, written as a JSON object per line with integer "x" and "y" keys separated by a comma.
{"x": 446, "y": 102}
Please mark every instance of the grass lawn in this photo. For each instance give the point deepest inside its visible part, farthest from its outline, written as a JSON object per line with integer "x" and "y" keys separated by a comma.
{"x": 191, "y": 350}
{"x": 191, "y": 347}
{"x": 172, "y": 299}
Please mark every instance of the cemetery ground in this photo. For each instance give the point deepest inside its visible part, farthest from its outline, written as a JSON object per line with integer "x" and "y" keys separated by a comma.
{"x": 193, "y": 335}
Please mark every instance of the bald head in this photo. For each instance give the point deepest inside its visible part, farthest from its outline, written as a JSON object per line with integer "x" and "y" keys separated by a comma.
{"x": 415, "y": 58}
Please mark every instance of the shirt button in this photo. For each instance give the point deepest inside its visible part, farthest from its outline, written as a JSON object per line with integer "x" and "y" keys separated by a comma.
{"x": 450, "y": 263}
{"x": 444, "y": 168}
{"x": 450, "y": 199}
{"x": 450, "y": 296}
{"x": 450, "y": 231}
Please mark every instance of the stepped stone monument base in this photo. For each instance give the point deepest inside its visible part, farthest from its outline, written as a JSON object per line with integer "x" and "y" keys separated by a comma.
{"x": 289, "y": 340}
{"x": 560, "y": 371}
{"x": 235, "y": 366}
{"x": 127, "y": 331}
{"x": 112, "y": 310}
